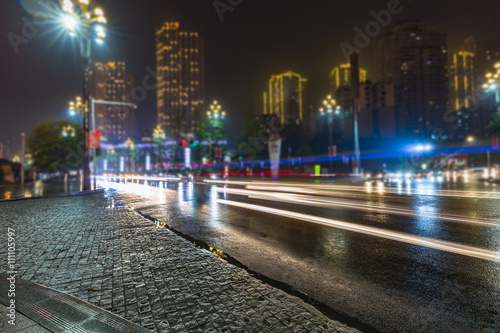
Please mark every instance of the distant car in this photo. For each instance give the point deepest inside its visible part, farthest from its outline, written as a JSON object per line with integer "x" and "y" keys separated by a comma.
{"x": 375, "y": 176}
{"x": 185, "y": 176}
{"x": 479, "y": 173}
{"x": 73, "y": 174}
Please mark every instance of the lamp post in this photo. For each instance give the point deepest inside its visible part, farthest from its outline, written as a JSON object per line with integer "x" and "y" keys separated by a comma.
{"x": 493, "y": 84}
{"x": 68, "y": 131}
{"x": 85, "y": 23}
{"x": 75, "y": 107}
{"x": 23, "y": 153}
{"x": 329, "y": 104}
{"x": 159, "y": 138}
{"x": 215, "y": 116}
{"x": 130, "y": 145}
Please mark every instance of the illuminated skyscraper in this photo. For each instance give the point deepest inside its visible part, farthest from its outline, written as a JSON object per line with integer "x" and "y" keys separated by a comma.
{"x": 286, "y": 96}
{"x": 340, "y": 80}
{"x": 472, "y": 112}
{"x": 463, "y": 80}
{"x": 111, "y": 82}
{"x": 413, "y": 56}
{"x": 341, "y": 76}
{"x": 180, "y": 72}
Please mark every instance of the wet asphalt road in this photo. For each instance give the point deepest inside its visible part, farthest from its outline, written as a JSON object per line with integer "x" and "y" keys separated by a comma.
{"x": 378, "y": 283}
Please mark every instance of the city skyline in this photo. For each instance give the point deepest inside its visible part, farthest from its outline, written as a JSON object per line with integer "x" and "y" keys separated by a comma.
{"x": 234, "y": 85}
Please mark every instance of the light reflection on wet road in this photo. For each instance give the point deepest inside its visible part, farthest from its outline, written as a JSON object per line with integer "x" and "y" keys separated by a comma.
{"x": 389, "y": 285}
{"x": 38, "y": 189}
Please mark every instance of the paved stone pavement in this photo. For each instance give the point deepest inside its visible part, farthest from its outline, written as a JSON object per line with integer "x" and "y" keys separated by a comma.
{"x": 116, "y": 259}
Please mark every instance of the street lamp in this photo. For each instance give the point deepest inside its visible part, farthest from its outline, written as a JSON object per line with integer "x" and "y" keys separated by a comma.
{"x": 159, "y": 137}
{"x": 328, "y": 110}
{"x": 85, "y": 23}
{"x": 130, "y": 145}
{"x": 329, "y": 103}
{"x": 68, "y": 131}
{"x": 215, "y": 114}
{"x": 493, "y": 84}
{"x": 76, "y": 107}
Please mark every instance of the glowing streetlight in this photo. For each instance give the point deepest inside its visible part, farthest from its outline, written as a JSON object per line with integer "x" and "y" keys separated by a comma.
{"x": 68, "y": 131}
{"x": 215, "y": 111}
{"x": 130, "y": 145}
{"x": 329, "y": 105}
{"x": 216, "y": 114}
{"x": 85, "y": 23}
{"x": 159, "y": 133}
{"x": 76, "y": 107}
{"x": 493, "y": 84}
{"x": 159, "y": 138}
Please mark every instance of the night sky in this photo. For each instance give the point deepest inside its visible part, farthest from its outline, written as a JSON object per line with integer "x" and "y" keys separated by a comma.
{"x": 257, "y": 39}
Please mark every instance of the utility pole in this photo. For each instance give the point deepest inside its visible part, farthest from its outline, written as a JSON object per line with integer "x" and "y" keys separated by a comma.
{"x": 22, "y": 157}
{"x": 355, "y": 96}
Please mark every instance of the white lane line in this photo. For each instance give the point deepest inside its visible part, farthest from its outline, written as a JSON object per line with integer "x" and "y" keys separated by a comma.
{"x": 329, "y": 190}
{"x": 321, "y": 202}
{"x": 377, "y": 232}
{"x": 263, "y": 185}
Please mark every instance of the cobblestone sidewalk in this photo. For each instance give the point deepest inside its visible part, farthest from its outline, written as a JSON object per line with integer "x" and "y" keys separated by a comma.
{"x": 116, "y": 259}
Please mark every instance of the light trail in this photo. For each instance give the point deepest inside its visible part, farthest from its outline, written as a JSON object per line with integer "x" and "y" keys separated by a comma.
{"x": 331, "y": 189}
{"x": 152, "y": 179}
{"x": 328, "y": 189}
{"x": 377, "y": 232}
{"x": 321, "y": 202}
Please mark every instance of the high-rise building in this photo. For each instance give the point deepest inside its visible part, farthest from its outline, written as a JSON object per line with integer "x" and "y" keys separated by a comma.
{"x": 111, "y": 82}
{"x": 463, "y": 80}
{"x": 377, "y": 110}
{"x": 413, "y": 56}
{"x": 472, "y": 107}
{"x": 341, "y": 85}
{"x": 340, "y": 76}
{"x": 286, "y": 96}
{"x": 180, "y": 75}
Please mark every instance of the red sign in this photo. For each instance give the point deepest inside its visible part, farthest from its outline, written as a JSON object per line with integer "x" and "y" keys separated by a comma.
{"x": 332, "y": 151}
{"x": 496, "y": 142}
{"x": 94, "y": 139}
{"x": 218, "y": 152}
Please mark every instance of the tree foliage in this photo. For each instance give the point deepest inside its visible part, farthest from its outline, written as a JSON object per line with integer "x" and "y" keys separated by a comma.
{"x": 250, "y": 127}
{"x": 303, "y": 151}
{"x": 53, "y": 152}
{"x": 494, "y": 126}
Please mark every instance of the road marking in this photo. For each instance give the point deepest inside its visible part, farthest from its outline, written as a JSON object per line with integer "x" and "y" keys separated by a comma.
{"x": 323, "y": 202}
{"x": 377, "y": 232}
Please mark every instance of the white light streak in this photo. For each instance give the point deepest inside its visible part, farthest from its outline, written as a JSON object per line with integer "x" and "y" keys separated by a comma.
{"x": 346, "y": 204}
{"x": 377, "y": 232}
